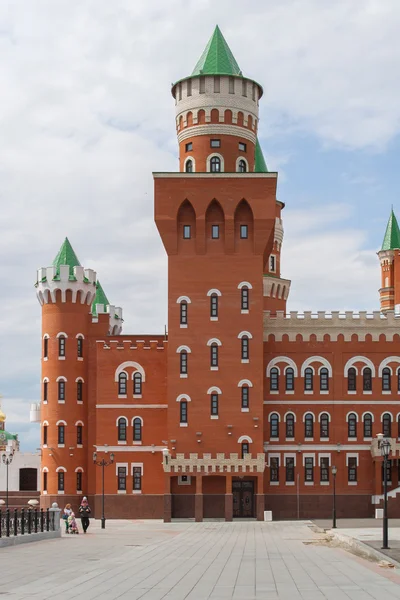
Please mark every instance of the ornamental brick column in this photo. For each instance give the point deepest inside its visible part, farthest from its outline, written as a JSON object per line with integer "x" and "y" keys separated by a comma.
{"x": 260, "y": 504}
{"x": 167, "y": 499}
{"x": 228, "y": 498}
{"x": 198, "y": 499}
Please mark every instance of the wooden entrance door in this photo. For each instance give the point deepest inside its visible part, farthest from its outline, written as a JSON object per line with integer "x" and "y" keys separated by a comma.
{"x": 243, "y": 499}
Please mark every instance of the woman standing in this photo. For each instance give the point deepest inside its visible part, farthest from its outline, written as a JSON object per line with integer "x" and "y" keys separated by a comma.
{"x": 67, "y": 513}
{"x": 84, "y": 511}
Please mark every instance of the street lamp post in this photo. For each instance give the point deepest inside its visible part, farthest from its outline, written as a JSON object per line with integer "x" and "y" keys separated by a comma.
{"x": 103, "y": 463}
{"x": 385, "y": 451}
{"x": 334, "y": 471}
{"x": 7, "y": 458}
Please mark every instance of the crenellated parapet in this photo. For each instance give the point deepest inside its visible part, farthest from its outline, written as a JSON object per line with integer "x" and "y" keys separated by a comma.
{"x": 116, "y": 320}
{"x": 77, "y": 280}
{"x": 333, "y": 324}
{"x": 221, "y": 463}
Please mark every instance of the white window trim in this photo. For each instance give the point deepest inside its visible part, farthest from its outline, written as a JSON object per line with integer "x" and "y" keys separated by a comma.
{"x": 208, "y": 163}
{"x": 239, "y": 158}
{"x": 245, "y": 284}
{"x": 278, "y": 359}
{"x": 193, "y": 162}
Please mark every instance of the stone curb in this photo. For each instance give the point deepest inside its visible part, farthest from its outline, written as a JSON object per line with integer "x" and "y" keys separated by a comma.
{"x": 27, "y": 538}
{"x": 362, "y": 547}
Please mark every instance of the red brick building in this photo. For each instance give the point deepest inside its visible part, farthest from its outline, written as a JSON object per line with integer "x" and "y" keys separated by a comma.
{"x": 241, "y": 408}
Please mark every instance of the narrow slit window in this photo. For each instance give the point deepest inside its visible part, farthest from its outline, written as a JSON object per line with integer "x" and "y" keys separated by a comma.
{"x": 215, "y": 232}
{"x": 183, "y": 362}
{"x": 186, "y": 232}
{"x": 184, "y": 411}
{"x": 244, "y": 232}
{"x": 214, "y": 405}
{"x": 183, "y": 313}
{"x": 214, "y": 355}
{"x": 245, "y": 298}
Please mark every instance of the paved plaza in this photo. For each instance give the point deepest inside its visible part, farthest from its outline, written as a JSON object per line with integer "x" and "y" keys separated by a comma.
{"x": 184, "y": 560}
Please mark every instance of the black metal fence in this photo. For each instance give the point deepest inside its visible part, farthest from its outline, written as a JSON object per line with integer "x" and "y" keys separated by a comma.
{"x": 15, "y": 522}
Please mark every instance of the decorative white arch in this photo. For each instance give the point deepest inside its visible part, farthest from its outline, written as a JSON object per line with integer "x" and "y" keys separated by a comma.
{"x": 368, "y": 413}
{"x": 79, "y": 470}
{"x": 214, "y": 291}
{"x": 63, "y": 469}
{"x": 324, "y": 412}
{"x": 237, "y": 163}
{"x": 386, "y": 413}
{"x": 386, "y": 362}
{"x": 134, "y": 365}
{"x": 272, "y": 414}
{"x": 289, "y": 413}
{"x": 243, "y": 382}
{"x": 62, "y": 334}
{"x": 184, "y": 299}
{"x": 362, "y": 359}
{"x": 245, "y": 333}
{"x": 245, "y": 284}
{"x": 351, "y": 412}
{"x": 308, "y": 413}
{"x": 45, "y": 470}
{"x": 285, "y": 359}
{"x": 188, "y": 350}
{"x": 193, "y": 162}
{"x": 46, "y": 336}
{"x": 214, "y": 341}
{"x": 183, "y": 397}
{"x": 45, "y": 424}
{"x": 79, "y": 423}
{"x": 214, "y": 390}
{"x": 121, "y": 417}
{"x": 245, "y": 438}
{"x": 61, "y": 423}
{"x": 80, "y": 335}
{"x": 79, "y": 379}
{"x": 210, "y": 156}
{"x": 137, "y": 417}
{"x": 61, "y": 378}
{"x": 45, "y": 380}
{"x": 320, "y": 359}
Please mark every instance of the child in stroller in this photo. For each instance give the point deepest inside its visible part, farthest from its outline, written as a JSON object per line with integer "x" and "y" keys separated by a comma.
{"x": 72, "y": 524}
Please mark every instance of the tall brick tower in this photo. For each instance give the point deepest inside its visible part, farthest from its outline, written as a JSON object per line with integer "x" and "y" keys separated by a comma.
{"x": 219, "y": 220}
{"x": 389, "y": 257}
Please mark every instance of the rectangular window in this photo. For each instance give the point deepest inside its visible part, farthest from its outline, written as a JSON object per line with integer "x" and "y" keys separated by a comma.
{"x": 242, "y": 147}
{"x": 45, "y": 347}
{"x": 183, "y": 313}
{"x": 309, "y": 468}
{"x": 189, "y": 87}
{"x": 44, "y": 434}
{"x": 244, "y": 232}
{"x": 214, "y": 404}
{"x": 215, "y": 232}
{"x": 272, "y": 263}
{"x": 45, "y": 481}
{"x": 186, "y": 232}
{"x": 352, "y": 469}
{"x": 137, "y": 478}
{"x": 215, "y": 143}
{"x": 189, "y": 146}
{"x": 121, "y": 478}
{"x": 61, "y": 434}
{"x": 183, "y": 362}
{"x": 61, "y": 346}
{"x": 274, "y": 469}
{"x": 244, "y": 87}
{"x": 245, "y": 348}
{"x": 79, "y": 347}
{"x": 184, "y": 412}
{"x": 61, "y": 390}
{"x": 202, "y": 85}
{"x": 217, "y": 85}
{"x": 79, "y": 434}
{"x": 45, "y": 390}
{"x": 245, "y": 298}
{"x": 79, "y": 389}
{"x": 60, "y": 481}
{"x": 214, "y": 305}
{"x": 79, "y": 481}
{"x": 324, "y": 468}
{"x": 231, "y": 85}
{"x": 245, "y": 396}
{"x": 289, "y": 466}
{"x": 214, "y": 355}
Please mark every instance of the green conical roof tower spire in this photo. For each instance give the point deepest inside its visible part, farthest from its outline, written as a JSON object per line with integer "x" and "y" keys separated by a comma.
{"x": 100, "y": 298}
{"x": 217, "y": 58}
{"x": 391, "y": 241}
{"x": 260, "y": 166}
{"x": 66, "y": 256}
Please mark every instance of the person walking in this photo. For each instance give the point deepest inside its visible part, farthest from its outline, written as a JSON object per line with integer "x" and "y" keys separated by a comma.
{"x": 84, "y": 511}
{"x": 67, "y": 513}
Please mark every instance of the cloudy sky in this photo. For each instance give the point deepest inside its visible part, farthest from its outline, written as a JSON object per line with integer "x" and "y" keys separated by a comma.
{"x": 86, "y": 115}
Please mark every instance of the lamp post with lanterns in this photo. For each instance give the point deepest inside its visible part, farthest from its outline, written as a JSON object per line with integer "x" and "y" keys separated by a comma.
{"x": 103, "y": 463}
{"x": 385, "y": 448}
{"x": 334, "y": 471}
{"x": 7, "y": 459}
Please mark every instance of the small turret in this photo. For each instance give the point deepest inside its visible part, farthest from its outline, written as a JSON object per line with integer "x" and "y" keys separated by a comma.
{"x": 101, "y": 305}
{"x": 389, "y": 258}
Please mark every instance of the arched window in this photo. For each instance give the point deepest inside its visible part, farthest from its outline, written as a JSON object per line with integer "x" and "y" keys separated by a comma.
{"x": 122, "y": 429}
{"x": 274, "y": 380}
{"x": 79, "y": 347}
{"x": 183, "y": 411}
{"x": 245, "y": 348}
{"x": 61, "y": 434}
{"x": 352, "y": 425}
{"x": 289, "y": 379}
{"x": 122, "y": 379}
{"x": 61, "y": 345}
{"x": 274, "y": 425}
{"x": 214, "y": 306}
{"x": 245, "y": 396}
{"x": 215, "y": 164}
{"x": 367, "y": 379}
{"x": 60, "y": 477}
{"x": 245, "y": 298}
{"x": 183, "y": 362}
{"x": 183, "y": 312}
{"x": 242, "y": 166}
{"x": 45, "y": 347}
{"x": 214, "y": 404}
{"x": 386, "y": 380}
{"x": 214, "y": 355}
{"x": 309, "y": 426}
{"x": 137, "y": 430}
{"x": 61, "y": 391}
{"x": 79, "y": 481}
{"x": 45, "y": 390}
{"x": 290, "y": 425}
{"x": 351, "y": 380}
{"x": 308, "y": 379}
{"x": 189, "y": 166}
{"x": 137, "y": 384}
{"x": 45, "y": 434}
{"x": 368, "y": 426}
{"x": 387, "y": 425}
{"x": 324, "y": 426}
{"x": 79, "y": 391}
{"x": 245, "y": 449}
{"x": 79, "y": 435}
{"x": 398, "y": 380}
{"x": 398, "y": 426}
{"x": 324, "y": 380}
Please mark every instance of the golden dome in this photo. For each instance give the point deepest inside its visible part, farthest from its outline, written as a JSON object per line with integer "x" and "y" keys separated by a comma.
{"x": 2, "y": 416}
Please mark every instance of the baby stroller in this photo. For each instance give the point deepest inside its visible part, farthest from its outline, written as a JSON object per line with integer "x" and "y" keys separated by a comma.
{"x": 72, "y": 524}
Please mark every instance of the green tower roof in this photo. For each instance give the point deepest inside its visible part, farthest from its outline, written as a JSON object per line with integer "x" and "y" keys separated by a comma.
{"x": 392, "y": 234}
{"x": 217, "y": 58}
{"x": 100, "y": 298}
{"x": 66, "y": 256}
{"x": 260, "y": 166}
